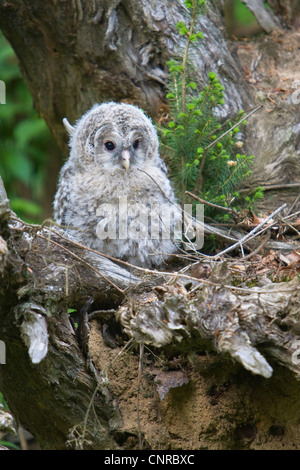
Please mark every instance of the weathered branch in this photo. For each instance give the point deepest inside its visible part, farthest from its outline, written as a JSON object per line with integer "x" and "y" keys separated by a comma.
{"x": 245, "y": 325}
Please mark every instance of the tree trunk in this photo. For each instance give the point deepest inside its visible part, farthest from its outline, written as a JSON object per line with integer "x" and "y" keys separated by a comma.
{"x": 82, "y": 387}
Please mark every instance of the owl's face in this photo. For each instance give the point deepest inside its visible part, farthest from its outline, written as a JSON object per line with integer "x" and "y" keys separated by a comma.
{"x": 124, "y": 150}
{"x": 114, "y": 136}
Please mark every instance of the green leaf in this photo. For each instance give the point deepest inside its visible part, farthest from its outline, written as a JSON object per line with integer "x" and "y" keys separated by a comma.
{"x": 29, "y": 129}
{"x": 19, "y": 165}
{"x": 192, "y": 85}
{"x": 182, "y": 29}
{"x": 9, "y": 445}
{"x": 20, "y": 205}
{"x": 170, "y": 63}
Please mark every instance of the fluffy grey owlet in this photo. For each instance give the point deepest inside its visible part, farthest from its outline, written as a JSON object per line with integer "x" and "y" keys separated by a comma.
{"x": 114, "y": 195}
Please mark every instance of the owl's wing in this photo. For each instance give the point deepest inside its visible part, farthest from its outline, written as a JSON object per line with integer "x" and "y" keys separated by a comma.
{"x": 61, "y": 203}
{"x": 59, "y": 212}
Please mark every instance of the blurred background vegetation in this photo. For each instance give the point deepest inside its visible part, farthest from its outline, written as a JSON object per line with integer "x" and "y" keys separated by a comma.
{"x": 26, "y": 145}
{"x": 29, "y": 157}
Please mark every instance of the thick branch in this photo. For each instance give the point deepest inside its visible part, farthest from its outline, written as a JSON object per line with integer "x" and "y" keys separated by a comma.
{"x": 243, "y": 324}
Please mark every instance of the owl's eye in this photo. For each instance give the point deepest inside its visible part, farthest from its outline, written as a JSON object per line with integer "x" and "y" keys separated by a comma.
{"x": 136, "y": 144}
{"x": 109, "y": 145}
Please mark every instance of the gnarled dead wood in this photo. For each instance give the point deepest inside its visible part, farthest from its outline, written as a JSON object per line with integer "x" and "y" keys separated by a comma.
{"x": 244, "y": 323}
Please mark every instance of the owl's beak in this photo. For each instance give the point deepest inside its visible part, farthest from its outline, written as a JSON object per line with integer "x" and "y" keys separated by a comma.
{"x": 125, "y": 159}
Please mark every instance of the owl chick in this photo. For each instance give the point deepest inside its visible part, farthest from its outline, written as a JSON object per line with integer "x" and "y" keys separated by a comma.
{"x": 113, "y": 194}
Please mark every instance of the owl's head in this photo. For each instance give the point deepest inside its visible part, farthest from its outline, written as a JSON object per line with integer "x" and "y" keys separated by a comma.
{"x": 112, "y": 136}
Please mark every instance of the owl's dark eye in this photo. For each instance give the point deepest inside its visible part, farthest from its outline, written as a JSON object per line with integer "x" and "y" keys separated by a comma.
{"x": 109, "y": 145}
{"x": 136, "y": 144}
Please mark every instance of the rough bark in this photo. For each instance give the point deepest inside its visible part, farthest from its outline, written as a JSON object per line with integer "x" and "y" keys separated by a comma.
{"x": 96, "y": 51}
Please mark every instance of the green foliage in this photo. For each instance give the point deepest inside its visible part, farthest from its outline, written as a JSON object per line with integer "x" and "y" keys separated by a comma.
{"x": 24, "y": 141}
{"x": 242, "y": 14}
{"x": 3, "y": 403}
{"x": 7, "y": 444}
{"x": 199, "y": 160}
{"x": 251, "y": 199}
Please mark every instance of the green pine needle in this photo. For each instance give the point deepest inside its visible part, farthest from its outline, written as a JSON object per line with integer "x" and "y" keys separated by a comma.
{"x": 212, "y": 170}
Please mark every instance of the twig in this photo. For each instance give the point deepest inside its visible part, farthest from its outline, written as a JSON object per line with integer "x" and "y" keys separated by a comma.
{"x": 152, "y": 271}
{"x": 250, "y": 234}
{"x": 292, "y": 215}
{"x": 165, "y": 273}
{"x": 293, "y": 205}
{"x": 216, "y": 206}
{"x": 233, "y": 127}
{"x": 188, "y": 216}
{"x": 290, "y": 225}
{"x": 101, "y": 381}
{"x": 272, "y": 186}
{"x": 109, "y": 365}
{"x": 260, "y": 246}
